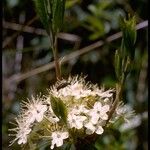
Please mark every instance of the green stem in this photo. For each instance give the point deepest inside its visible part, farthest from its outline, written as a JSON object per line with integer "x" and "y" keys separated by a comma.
{"x": 55, "y": 53}
{"x": 119, "y": 89}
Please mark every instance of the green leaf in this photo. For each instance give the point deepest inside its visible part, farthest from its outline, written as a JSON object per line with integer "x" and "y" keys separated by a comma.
{"x": 43, "y": 14}
{"x": 59, "y": 108}
{"x": 129, "y": 35}
{"x": 58, "y": 8}
{"x": 68, "y": 146}
{"x": 118, "y": 64}
{"x": 51, "y": 13}
{"x": 71, "y": 3}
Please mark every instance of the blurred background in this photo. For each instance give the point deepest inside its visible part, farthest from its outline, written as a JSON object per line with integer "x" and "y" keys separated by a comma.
{"x": 87, "y": 46}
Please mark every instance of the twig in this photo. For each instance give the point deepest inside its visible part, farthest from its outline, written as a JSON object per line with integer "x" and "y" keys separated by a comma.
{"x": 119, "y": 88}
{"x": 39, "y": 31}
{"x": 20, "y": 77}
{"x": 28, "y": 29}
{"x": 114, "y": 105}
{"x": 141, "y": 82}
{"x": 8, "y": 40}
{"x": 19, "y": 46}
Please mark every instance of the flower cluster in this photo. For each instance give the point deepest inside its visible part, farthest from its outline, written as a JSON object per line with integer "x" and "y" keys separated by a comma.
{"x": 32, "y": 112}
{"x": 71, "y": 106}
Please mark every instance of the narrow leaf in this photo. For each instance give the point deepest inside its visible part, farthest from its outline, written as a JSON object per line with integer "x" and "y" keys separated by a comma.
{"x": 129, "y": 35}
{"x": 58, "y": 8}
{"x": 59, "y": 108}
{"x": 117, "y": 64}
{"x": 43, "y": 14}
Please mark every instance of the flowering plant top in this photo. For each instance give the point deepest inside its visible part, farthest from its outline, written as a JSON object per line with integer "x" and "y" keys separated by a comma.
{"x": 65, "y": 113}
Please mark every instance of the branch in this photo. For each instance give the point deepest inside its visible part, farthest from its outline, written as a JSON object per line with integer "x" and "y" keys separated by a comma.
{"x": 142, "y": 80}
{"x": 38, "y": 31}
{"x": 8, "y": 40}
{"x": 23, "y": 76}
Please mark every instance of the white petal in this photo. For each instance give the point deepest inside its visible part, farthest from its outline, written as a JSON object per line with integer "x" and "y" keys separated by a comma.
{"x": 82, "y": 118}
{"x": 59, "y": 142}
{"x": 106, "y": 100}
{"x": 44, "y": 108}
{"x": 28, "y": 131}
{"x": 99, "y": 130}
{"x": 105, "y": 108}
{"x": 95, "y": 119}
{"x": 39, "y": 117}
{"x": 54, "y": 135}
{"x": 52, "y": 146}
{"x": 79, "y": 124}
{"x": 85, "y": 110}
{"x": 31, "y": 116}
{"x": 92, "y": 112}
{"x": 90, "y": 126}
{"x": 64, "y": 135}
{"x": 19, "y": 141}
{"x": 104, "y": 116}
{"x": 97, "y": 106}
{"x": 22, "y": 140}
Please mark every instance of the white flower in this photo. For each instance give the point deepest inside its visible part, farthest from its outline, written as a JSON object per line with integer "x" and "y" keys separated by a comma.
{"x": 131, "y": 124}
{"x": 58, "y": 137}
{"x": 76, "y": 121}
{"x": 79, "y": 109}
{"x": 124, "y": 111}
{"x": 78, "y": 96}
{"x": 22, "y": 130}
{"x": 106, "y": 100}
{"x": 53, "y": 118}
{"x": 98, "y": 112}
{"x": 77, "y": 89}
{"x": 22, "y": 135}
{"x": 99, "y": 130}
{"x": 35, "y": 110}
{"x": 103, "y": 94}
{"x": 91, "y": 128}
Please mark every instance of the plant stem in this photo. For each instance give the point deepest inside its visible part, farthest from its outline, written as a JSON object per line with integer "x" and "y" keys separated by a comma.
{"x": 56, "y": 60}
{"x": 119, "y": 89}
{"x": 119, "y": 86}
